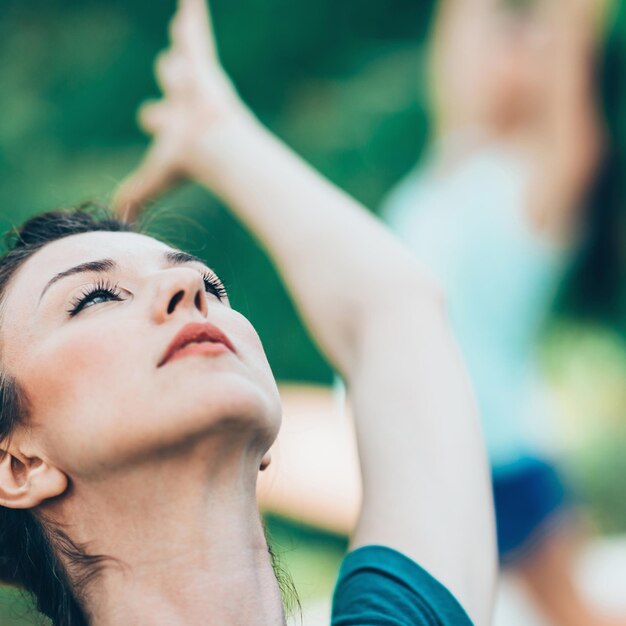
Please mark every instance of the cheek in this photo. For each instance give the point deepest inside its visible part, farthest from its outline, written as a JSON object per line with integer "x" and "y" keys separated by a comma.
{"x": 76, "y": 363}
{"x": 62, "y": 367}
{"x": 99, "y": 400}
{"x": 252, "y": 351}
{"x": 71, "y": 385}
{"x": 257, "y": 368}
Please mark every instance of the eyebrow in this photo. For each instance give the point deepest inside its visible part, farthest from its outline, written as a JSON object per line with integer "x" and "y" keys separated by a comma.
{"x": 103, "y": 265}
{"x": 178, "y": 258}
{"x": 109, "y": 265}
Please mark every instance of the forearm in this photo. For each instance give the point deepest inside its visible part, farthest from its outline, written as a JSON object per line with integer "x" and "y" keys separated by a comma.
{"x": 566, "y": 144}
{"x": 341, "y": 265}
{"x": 572, "y": 114}
{"x": 458, "y": 59}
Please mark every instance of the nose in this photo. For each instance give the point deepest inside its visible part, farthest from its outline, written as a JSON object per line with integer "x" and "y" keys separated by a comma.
{"x": 178, "y": 289}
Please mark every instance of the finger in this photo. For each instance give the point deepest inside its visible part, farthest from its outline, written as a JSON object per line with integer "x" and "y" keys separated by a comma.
{"x": 173, "y": 73}
{"x": 151, "y": 179}
{"x": 152, "y": 116}
{"x": 192, "y": 29}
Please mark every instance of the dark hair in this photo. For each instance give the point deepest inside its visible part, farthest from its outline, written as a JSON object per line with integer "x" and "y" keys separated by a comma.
{"x": 31, "y": 546}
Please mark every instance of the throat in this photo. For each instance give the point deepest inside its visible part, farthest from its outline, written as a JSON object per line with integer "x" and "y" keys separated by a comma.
{"x": 226, "y": 581}
{"x": 181, "y": 550}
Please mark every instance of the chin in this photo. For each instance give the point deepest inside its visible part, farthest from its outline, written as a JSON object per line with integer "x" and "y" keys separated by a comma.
{"x": 247, "y": 402}
{"x": 229, "y": 409}
{"x": 229, "y": 401}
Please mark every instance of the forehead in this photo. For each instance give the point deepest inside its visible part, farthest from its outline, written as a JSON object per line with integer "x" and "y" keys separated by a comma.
{"x": 125, "y": 248}
{"x": 130, "y": 250}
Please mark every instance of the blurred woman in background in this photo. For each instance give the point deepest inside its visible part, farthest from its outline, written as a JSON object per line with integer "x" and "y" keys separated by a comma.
{"x": 495, "y": 213}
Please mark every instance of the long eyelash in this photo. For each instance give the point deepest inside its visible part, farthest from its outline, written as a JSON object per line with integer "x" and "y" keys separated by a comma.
{"x": 213, "y": 285}
{"x": 102, "y": 287}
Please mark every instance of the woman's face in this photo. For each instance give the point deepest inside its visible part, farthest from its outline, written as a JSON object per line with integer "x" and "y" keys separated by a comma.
{"x": 495, "y": 65}
{"x": 86, "y": 343}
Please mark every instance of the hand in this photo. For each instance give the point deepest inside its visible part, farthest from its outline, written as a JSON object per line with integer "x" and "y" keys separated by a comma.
{"x": 198, "y": 100}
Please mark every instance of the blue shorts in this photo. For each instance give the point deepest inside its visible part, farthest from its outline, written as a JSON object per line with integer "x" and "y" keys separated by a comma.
{"x": 530, "y": 500}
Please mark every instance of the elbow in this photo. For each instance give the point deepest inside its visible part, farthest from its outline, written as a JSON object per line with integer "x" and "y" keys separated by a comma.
{"x": 418, "y": 288}
{"x": 408, "y": 297}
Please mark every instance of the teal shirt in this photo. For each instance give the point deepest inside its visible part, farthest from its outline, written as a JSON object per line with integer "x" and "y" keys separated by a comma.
{"x": 378, "y": 586}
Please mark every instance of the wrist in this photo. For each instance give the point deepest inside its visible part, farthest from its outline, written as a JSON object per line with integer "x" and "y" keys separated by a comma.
{"x": 217, "y": 147}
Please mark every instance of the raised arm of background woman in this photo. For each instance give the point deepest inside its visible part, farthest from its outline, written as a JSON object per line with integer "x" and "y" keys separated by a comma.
{"x": 379, "y": 321}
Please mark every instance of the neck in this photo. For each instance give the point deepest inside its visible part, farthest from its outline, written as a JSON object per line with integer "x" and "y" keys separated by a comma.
{"x": 183, "y": 551}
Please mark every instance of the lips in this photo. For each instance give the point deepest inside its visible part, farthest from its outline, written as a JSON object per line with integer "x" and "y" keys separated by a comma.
{"x": 197, "y": 333}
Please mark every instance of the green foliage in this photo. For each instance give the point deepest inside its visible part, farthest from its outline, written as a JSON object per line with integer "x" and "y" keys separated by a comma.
{"x": 586, "y": 369}
{"x": 16, "y": 609}
{"x": 311, "y": 556}
{"x": 598, "y": 476}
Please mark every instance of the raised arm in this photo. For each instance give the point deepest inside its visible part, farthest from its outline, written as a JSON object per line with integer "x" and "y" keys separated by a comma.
{"x": 522, "y": 73}
{"x": 373, "y": 312}
{"x": 567, "y": 140}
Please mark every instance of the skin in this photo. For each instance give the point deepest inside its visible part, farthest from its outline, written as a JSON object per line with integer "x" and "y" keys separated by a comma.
{"x": 141, "y": 452}
{"x": 170, "y": 493}
{"x": 99, "y": 402}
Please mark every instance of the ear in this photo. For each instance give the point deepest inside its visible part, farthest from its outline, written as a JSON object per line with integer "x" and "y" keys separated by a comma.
{"x": 26, "y": 482}
{"x": 265, "y": 461}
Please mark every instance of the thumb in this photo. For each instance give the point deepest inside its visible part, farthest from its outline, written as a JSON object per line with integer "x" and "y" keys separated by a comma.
{"x": 153, "y": 177}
